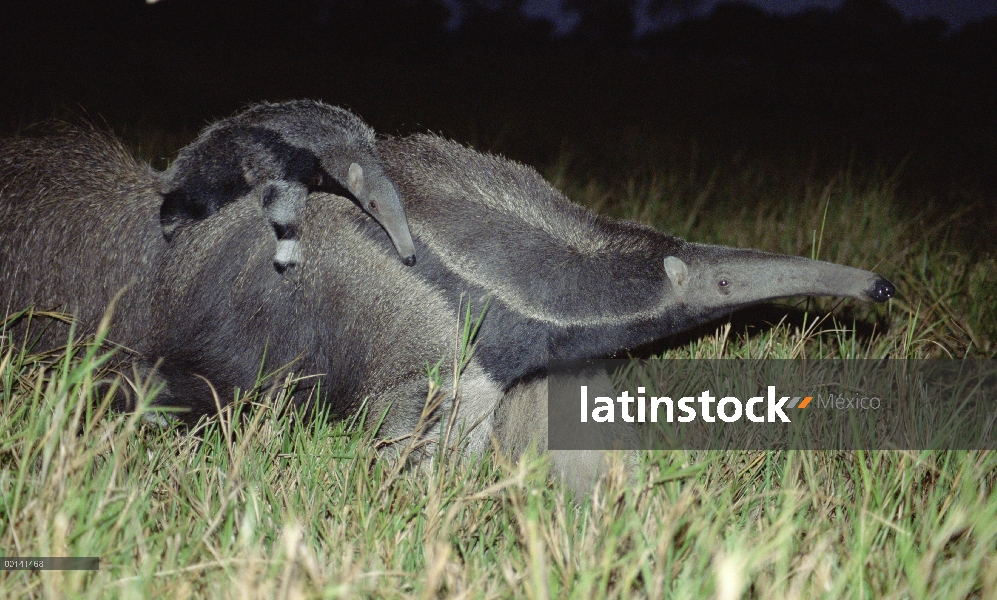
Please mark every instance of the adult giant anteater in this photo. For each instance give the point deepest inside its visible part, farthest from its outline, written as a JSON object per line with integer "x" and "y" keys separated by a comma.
{"x": 79, "y": 221}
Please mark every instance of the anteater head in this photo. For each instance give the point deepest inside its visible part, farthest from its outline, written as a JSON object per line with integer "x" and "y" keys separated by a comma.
{"x": 324, "y": 148}
{"x": 377, "y": 196}
{"x": 718, "y": 279}
{"x": 345, "y": 158}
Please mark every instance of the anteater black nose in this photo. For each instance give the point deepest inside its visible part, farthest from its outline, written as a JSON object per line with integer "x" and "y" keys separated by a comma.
{"x": 409, "y": 261}
{"x": 881, "y": 291}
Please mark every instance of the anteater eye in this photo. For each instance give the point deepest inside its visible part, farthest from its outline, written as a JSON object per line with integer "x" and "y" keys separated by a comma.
{"x": 373, "y": 205}
{"x": 724, "y": 283}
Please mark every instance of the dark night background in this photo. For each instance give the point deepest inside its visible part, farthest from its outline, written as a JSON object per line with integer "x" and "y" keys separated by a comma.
{"x": 862, "y": 86}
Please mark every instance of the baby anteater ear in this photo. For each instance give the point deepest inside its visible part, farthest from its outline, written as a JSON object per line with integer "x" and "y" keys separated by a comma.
{"x": 677, "y": 271}
{"x": 354, "y": 179}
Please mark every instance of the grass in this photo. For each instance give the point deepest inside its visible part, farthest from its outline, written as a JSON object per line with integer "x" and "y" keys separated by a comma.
{"x": 256, "y": 505}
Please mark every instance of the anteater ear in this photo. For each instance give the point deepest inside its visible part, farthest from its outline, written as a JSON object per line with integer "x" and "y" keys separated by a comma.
{"x": 677, "y": 272}
{"x": 354, "y": 179}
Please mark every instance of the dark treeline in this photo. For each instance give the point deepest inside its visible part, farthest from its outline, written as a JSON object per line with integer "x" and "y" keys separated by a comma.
{"x": 859, "y": 83}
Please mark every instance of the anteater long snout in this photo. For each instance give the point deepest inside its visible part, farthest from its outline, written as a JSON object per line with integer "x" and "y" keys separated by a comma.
{"x": 781, "y": 276}
{"x": 735, "y": 276}
{"x": 391, "y": 215}
{"x": 401, "y": 237}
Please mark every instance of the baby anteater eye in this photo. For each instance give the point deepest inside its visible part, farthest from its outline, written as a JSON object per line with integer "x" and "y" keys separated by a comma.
{"x": 723, "y": 283}
{"x": 373, "y": 205}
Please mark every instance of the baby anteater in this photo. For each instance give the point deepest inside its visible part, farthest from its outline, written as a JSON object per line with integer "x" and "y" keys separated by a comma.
{"x": 282, "y": 152}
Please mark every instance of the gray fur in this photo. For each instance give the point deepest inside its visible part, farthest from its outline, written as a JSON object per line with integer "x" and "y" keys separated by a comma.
{"x": 79, "y": 219}
{"x": 283, "y": 151}
{"x": 79, "y": 222}
{"x": 521, "y": 424}
{"x": 565, "y": 283}
{"x": 562, "y": 282}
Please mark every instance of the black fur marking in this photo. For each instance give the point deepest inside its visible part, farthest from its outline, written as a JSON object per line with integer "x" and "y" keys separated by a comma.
{"x": 328, "y": 184}
{"x": 213, "y": 173}
{"x": 271, "y": 195}
{"x": 514, "y": 347}
{"x": 287, "y": 231}
{"x": 199, "y": 200}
